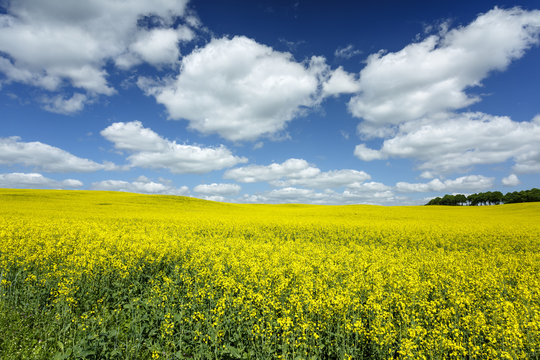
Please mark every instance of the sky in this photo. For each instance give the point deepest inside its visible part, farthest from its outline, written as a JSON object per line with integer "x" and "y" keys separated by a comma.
{"x": 323, "y": 102}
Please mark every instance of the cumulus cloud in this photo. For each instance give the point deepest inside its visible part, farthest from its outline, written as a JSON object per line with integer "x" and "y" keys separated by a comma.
{"x": 156, "y": 46}
{"x": 386, "y": 197}
{"x": 511, "y": 180}
{"x": 371, "y": 187}
{"x": 149, "y": 150}
{"x": 528, "y": 161}
{"x": 410, "y": 98}
{"x": 340, "y": 82}
{"x": 257, "y": 173}
{"x": 296, "y": 172}
{"x": 134, "y": 137}
{"x": 45, "y": 157}
{"x": 464, "y": 183}
{"x": 300, "y": 182}
{"x": 426, "y": 175}
{"x": 217, "y": 192}
{"x": 35, "y": 181}
{"x": 141, "y": 185}
{"x": 291, "y": 195}
{"x": 243, "y": 90}
{"x": 327, "y": 179}
{"x": 370, "y": 194}
{"x": 237, "y": 88}
{"x": 362, "y": 152}
{"x": 52, "y": 43}
{"x": 462, "y": 141}
{"x": 431, "y": 76}
{"x": 60, "y": 105}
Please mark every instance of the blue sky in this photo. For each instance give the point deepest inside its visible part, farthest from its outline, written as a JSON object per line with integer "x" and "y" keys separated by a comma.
{"x": 379, "y": 102}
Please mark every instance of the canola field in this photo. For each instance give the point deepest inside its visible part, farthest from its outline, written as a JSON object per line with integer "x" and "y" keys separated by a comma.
{"x": 104, "y": 275}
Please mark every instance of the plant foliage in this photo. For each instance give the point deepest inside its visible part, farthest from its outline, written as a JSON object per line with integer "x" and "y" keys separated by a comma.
{"x": 148, "y": 277}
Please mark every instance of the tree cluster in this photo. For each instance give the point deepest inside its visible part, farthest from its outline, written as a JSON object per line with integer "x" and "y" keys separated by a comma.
{"x": 488, "y": 198}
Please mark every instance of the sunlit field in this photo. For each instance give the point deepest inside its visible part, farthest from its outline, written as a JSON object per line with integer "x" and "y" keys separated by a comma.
{"x": 104, "y": 275}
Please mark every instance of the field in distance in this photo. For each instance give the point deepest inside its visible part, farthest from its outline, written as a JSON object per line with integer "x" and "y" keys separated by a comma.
{"x": 108, "y": 275}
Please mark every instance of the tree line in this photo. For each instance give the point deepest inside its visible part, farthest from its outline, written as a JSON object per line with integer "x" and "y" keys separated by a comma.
{"x": 488, "y": 198}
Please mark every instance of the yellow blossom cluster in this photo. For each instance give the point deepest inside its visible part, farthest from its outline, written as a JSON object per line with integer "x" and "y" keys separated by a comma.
{"x": 136, "y": 276}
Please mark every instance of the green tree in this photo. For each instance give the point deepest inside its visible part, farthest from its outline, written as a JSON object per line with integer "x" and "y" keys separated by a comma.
{"x": 448, "y": 200}
{"x": 461, "y": 199}
{"x": 473, "y": 199}
{"x": 488, "y": 198}
{"x": 532, "y": 195}
{"x": 495, "y": 197}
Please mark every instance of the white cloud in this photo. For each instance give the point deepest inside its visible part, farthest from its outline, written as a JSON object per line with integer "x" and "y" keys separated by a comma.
{"x": 511, "y": 180}
{"x": 296, "y": 172}
{"x": 347, "y": 52}
{"x": 368, "y": 193}
{"x": 408, "y": 97}
{"x": 140, "y": 185}
{"x": 217, "y": 189}
{"x": 362, "y": 152}
{"x": 18, "y": 74}
{"x": 464, "y": 183}
{"x": 373, "y": 198}
{"x": 149, "y": 150}
{"x": 156, "y": 47}
{"x": 243, "y": 90}
{"x": 35, "y": 181}
{"x": 298, "y": 182}
{"x": 237, "y": 88}
{"x": 289, "y": 195}
{"x": 60, "y": 105}
{"x": 291, "y": 168}
{"x": 50, "y": 43}
{"x": 133, "y": 136}
{"x": 45, "y": 157}
{"x": 340, "y": 82}
{"x": 328, "y": 179}
{"x": 71, "y": 183}
{"x": 528, "y": 161}
{"x": 426, "y": 175}
{"x": 374, "y": 193}
{"x": 372, "y": 187}
{"x": 431, "y": 76}
{"x": 462, "y": 141}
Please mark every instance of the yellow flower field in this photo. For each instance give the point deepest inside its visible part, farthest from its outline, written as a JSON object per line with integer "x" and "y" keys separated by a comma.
{"x": 104, "y": 275}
